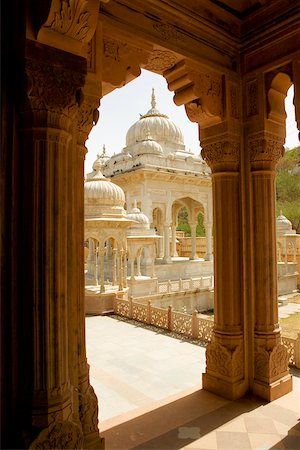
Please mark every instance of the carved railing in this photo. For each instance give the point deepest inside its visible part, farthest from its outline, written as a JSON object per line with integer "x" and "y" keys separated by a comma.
{"x": 293, "y": 348}
{"x": 205, "y": 282}
{"x": 190, "y": 325}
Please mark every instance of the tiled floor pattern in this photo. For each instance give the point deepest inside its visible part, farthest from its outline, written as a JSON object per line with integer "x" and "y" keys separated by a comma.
{"x": 150, "y": 396}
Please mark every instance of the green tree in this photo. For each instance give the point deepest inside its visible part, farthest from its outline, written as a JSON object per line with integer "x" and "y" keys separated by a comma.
{"x": 183, "y": 223}
{"x": 288, "y": 187}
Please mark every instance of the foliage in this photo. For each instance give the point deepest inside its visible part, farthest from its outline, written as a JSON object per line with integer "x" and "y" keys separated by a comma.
{"x": 288, "y": 187}
{"x": 183, "y": 223}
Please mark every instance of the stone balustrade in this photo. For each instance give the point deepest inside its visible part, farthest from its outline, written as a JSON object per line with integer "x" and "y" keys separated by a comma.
{"x": 191, "y": 325}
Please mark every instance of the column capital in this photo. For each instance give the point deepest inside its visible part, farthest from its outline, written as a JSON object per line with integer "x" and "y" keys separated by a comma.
{"x": 265, "y": 150}
{"x": 54, "y": 79}
{"x": 222, "y": 154}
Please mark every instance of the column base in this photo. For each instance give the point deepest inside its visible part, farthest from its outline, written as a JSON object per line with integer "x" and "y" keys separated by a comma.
{"x": 94, "y": 442}
{"x": 226, "y": 389}
{"x": 167, "y": 260}
{"x": 275, "y": 390}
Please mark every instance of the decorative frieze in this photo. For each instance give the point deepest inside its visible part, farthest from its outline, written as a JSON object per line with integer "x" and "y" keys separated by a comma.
{"x": 168, "y": 32}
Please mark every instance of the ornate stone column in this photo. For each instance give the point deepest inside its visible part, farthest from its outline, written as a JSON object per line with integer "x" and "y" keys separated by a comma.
{"x": 87, "y": 400}
{"x": 209, "y": 249}
{"x": 225, "y": 355}
{"x": 271, "y": 377}
{"x": 121, "y": 269}
{"x": 193, "y": 239}
{"x": 53, "y": 98}
{"x": 114, "y": 259}
{"x": 101, "y": 254}
{"x": 174, "y": 252}
{"x": 167, "y": 258}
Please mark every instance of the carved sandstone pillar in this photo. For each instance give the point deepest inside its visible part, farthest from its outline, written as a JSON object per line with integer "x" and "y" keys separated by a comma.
{"x": 87, "y": 400}
{"x": 271, "y": 377}
{"x": 225, "y": 355}
{"x": 194, "y": 241}
{"x": 50, "y": 110}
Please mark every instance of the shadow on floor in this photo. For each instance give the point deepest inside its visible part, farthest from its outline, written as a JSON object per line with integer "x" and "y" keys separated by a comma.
{"x": 177, "y": 424}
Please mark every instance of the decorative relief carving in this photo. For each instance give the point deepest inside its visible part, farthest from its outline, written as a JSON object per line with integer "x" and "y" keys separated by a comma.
{"x": 270, "y": 362}
{"x": 60, "y": 435}
{"x": 160, "y": 60}
{"x": 88, "y": 116}
{"x": 122, "y": 62}
{"x": 52, "y": 88}
{"x": 233, "y": 101}
{"x": 222, "y": 152}
{"x": 265, "y": 148}
{"x": 111, "y": 49}
{"x": 226, "y": 361}
{"x": 88, "y": 408}
{"x": 91, "y": 55}
{"x": 72, "y": 18}
{"x": 168, "y": 32}
{"x": 252, "y": 98}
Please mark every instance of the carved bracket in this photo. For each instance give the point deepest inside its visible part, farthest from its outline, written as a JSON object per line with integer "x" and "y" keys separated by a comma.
{"x": 121, "y": 63}
{"x": 70, "y": 24}
{"x": 201, "y": 91}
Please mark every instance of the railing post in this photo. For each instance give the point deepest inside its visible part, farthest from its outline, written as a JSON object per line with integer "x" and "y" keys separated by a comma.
{"x": 191, "y": 283}
{"x": 180, "y": 284}
{"x": 149, "y": 312}
{"x": 170, "y": 321}
{"x": 194, "y": 324}
{"x": 297, "y": 352}
{"x": 130, "y": 307}
{"x": 169, "y": 286}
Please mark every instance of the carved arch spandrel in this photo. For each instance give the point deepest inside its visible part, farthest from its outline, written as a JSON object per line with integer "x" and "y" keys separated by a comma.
{"x": 70, "y": 25}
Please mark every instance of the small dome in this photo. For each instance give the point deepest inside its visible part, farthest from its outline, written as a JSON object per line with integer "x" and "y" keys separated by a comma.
{"x": 161, "y": 129}
{"x": 136, "y": 215}
{"x": 101, "y": 196}
{"x": 148, "y": 146}
{"x": 283, "y": 225}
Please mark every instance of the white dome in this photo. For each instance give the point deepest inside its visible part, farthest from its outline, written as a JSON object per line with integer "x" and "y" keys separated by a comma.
{"x": 283, "y": 225}
{"x": 136, "y": 215}
{"x": 147, "y": 146}
{"x": 101, "y": 196}
{"x": 159, "y": 126}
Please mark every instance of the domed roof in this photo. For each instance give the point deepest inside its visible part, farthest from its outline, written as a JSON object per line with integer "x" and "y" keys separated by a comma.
{"x": 148, "y": 146}
{"x": 101, "y": 196}
{"x": 139, "y": 217}
{"x": 161, "y": 129}
{"x": 283, "y": 225}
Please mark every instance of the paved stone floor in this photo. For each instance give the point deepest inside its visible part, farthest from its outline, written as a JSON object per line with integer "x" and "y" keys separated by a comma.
{"x": 150, "y": 396}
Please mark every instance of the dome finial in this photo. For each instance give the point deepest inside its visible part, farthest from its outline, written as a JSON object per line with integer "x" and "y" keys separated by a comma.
{"x": 104, "y": 150}
{"x": 153, "y": 100}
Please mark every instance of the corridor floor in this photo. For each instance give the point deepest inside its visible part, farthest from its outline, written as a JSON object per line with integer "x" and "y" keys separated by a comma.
{"x": 150, "y": 396}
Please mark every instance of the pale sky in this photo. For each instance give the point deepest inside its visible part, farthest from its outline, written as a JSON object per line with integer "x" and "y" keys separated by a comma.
{"x": 122, "y": 108}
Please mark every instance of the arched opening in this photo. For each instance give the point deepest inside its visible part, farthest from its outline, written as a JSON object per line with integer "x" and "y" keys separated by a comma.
{"x": 156, "y": 201}
{"x": 287, "y": 203}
